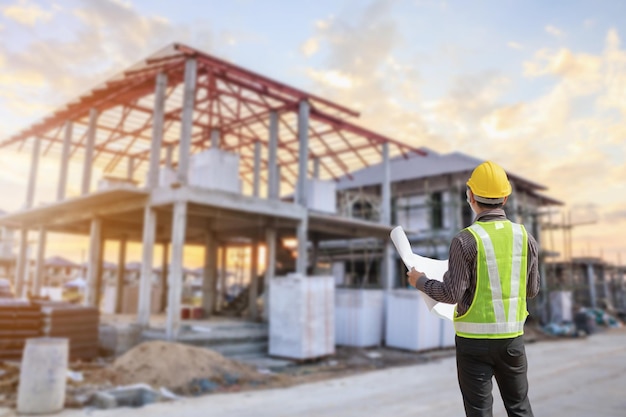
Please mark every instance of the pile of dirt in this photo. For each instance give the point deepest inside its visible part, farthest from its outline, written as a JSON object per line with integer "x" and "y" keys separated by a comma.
{"x": 175, "y": 365}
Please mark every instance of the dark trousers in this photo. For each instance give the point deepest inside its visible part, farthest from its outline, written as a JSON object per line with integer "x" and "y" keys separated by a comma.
{"x": 478, "y": 361}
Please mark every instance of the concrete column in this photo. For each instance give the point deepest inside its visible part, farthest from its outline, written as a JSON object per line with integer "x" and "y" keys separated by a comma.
{"x": 209, "y": 275}
{"x": 164, "y": 272}
{"x": 99, "y": 272}
{"x": 221, "y": 286}
{"x": 39, "y": 265}
{"x": 253, "y": 293}
{"x": 130, "y": 168}
{"x": 169, "y": 152}
{"x": 591, "y": 280}
{"x": 215, "y": 138}
{"x": 189, "y": 96}
{"x": 95, "y": 241}
{"x": 257, "y": 169}
{"x": 385, "y": 209}
{"x": 120, "y": 275}
{"x": 316, "y": 168}
{"x": 270, "y": 269}
{"x": 278, "y": 191}
{"x": 89, "y": 148}
{"x": 21, "y": 266}
{"x": 65, "y": 159}
{"x": 273, "y": 178}
{"x": 32, "y": 178}
{"x": 147, "y": 260}
{"x": 179, "y": 221}
{"x": 157, "y": 130}
{"x": 387, "y": 264}
{"x": 303, "y": 153}
{"x": 302, "y": 234}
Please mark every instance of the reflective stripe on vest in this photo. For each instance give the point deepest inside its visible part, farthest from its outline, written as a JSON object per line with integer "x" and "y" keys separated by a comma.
{"x": 504, "y": 323}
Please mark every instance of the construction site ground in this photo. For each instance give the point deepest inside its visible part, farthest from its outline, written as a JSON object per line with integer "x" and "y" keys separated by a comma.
{"x": 572, "y": 377}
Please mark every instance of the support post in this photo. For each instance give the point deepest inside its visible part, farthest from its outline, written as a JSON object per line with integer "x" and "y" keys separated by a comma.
{"x": 591, "y": 279}
{"x": 179, "y": 220}
{"x": 120, "y": 275}
{"x": 39, "y": 263}
{"x": 21, "y": 264}
{"x": 89, "y": 148}
{"x": 302, "y": 233}
{"x": 189, "y": 96}
{"x": 303, "y": 153}
{"x": 164, "y": 272}
{"x": 215, "y": 138}
{"x": 95, "y": 241}
{"x": 316, "y": 168}
{"x": 209, "y": 275}
{"x": 157, "y": 130}
{"x": 257, "y": 169}
{"x": 270, "y": 269}
{"x": 65, "y": 159}
{"x": 130, "y": 168}
{"x": 169, "y": 153}
{"x": 221, "y": 286}
{"x": 387, "y": 263}
{"x": 147, "y": 258}
{"x": 32, "y": 178}
{"x": 273, "y": 178}
{"x": 253, "y": 293}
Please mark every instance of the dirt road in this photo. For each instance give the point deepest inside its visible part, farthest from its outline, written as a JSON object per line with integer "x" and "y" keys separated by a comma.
{"x": 573, "y": 378}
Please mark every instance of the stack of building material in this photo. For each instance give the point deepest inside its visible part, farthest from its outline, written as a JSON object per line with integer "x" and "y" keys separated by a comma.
{"x": 409, "y": 324}
{"x": 79, "y": 324}
{"x": 302, "y": 318}
{"x": 19, "y": 320}
{"x": 358, "y": 317}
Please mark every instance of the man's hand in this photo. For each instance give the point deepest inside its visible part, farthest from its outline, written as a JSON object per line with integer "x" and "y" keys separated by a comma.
{"x": 414, "y": 275}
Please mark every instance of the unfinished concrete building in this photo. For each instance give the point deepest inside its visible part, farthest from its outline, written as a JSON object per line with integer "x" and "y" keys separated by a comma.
{"x": 428, "y": 200}
{"x": 187, "y": 149}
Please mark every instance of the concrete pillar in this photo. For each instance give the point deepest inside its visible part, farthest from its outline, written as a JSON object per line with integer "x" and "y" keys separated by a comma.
{"x": 388, "y": 264}
{"x": 270, "y": 269}
{"x": 316, "y": 168}
{"x": 99, "y": 272}
{"x": 40, "y": 262}
{"x": 215, "y": 138}
{"x": 209, "y": 275}
{"x": 222, "y": 277}
{"x": 21, "y": 266}
{"x": 179, "y": 221}
{"x": 120, "y": 275}
{"x": 169, "y": 152}
{"x": 95, "y": 242}
{"x": 302, "y": 233}
{"x": 157, "y": 130}
{"x": 273, "y": 177}
{"x": 257, "y": 169}
{"x": 189, "y": 95}
{"x": 65, "y": 159}
{"x": 147, "y": 260}
{"x": 32, "y": 178}
{"x": 591, "y": 280}
{"x": 303, "y": 152}
{"x": 164, "y": 272}
{"x": 253, "y": 292}
{"x": 130, "y": 168}
{"x": 89, "y": 149}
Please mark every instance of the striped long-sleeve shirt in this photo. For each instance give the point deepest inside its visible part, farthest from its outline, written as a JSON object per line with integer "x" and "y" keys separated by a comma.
{"x": 459, "y": 282}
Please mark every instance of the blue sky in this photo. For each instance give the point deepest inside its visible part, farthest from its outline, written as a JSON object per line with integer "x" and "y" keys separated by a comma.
{"x": 538, "y": 86}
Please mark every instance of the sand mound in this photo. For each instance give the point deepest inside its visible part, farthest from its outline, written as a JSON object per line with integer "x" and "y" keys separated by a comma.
{"x": 174, "y": 365}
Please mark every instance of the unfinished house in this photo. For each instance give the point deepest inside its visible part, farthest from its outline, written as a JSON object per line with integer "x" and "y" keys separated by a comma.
{"x": 186, "y": 149}
{"x": 428, "y": 200}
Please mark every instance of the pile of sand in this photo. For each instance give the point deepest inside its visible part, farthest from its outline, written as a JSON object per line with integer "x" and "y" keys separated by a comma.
{"x": 174, "y": 365}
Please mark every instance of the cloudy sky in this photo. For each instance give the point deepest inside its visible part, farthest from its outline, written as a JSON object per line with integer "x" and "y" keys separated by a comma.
{"x": 539, "y": 87}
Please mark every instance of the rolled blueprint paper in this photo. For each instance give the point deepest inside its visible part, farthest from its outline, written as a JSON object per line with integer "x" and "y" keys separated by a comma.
{"x": 433, "y": 268}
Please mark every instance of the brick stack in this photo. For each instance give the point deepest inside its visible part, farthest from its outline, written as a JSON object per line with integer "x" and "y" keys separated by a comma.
{"x": 19, "y": 320}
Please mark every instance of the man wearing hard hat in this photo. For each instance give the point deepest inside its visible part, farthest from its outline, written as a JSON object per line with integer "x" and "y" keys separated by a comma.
{"x": 492, "y": 269}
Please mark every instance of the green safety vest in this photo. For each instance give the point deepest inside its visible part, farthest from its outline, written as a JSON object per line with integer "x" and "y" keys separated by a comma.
{"x": 498, "y": 310}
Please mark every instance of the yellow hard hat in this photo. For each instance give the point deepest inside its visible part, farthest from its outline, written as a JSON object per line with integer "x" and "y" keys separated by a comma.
{"x": 490, "y": 182}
